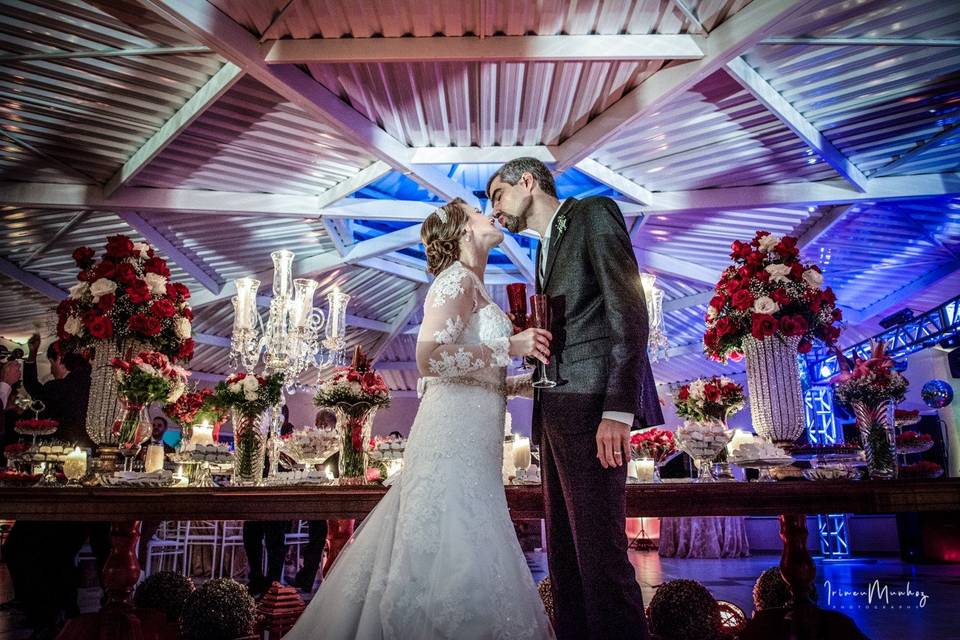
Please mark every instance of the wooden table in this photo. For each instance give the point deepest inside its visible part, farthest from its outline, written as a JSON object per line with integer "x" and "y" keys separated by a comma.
{"x": 791, "y": 501}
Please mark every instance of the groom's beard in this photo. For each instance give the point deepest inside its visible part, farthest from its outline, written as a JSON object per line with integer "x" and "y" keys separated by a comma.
{"x": 514, "y": 224}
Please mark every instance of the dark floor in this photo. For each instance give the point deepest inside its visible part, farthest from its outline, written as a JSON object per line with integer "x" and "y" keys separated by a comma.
{"x": 898, "y": 617}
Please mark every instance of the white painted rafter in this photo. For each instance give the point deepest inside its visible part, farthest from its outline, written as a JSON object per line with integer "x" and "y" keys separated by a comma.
{"x": 926, "y": 145}
{"x": 615, "y": 181}
{"x": 904, "y": 293}
{"x": 218, "y": 84}
{"x": 518, "y": 256}
{"x": 340, "y": 233}
{"x": 481, "y": 155}
{"x": 530, "y": 48}
{"x": 765, "y": 94}
{"x": 669, "y": 265}
{"x": 727, "y": 41}
{"x": 218, "y": 31}
{"x": 354, "y": 183}
{"x": 824, "y": 223}
{"x": 52, "y": 242}
{"x": 399, "y": 323}
{"x": 160, "y": 241}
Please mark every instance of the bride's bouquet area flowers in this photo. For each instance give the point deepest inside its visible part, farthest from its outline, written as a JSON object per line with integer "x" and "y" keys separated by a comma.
{"x": 768, "y": 291}
{"x": 249, "y": 396}
{"x": 355, "y": 393}
{"x": 147, "y": 377}
{"x": 708, "y": 399}
{"x": 126, "y": 294}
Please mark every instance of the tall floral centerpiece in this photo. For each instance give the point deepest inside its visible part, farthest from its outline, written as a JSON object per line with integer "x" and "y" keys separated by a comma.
{"x": 249, "y": 397}
{"x": 123, "y": 303}
{"x": 355, "y": 393}
{"x": 147, "y": 377}
{"x": 769, "y": 306}
{"x": 705, "y": 404}
{"x": 872, "y": 388}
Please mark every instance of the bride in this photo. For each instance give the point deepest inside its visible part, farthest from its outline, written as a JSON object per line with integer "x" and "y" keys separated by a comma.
{"x": 438, "y": 557}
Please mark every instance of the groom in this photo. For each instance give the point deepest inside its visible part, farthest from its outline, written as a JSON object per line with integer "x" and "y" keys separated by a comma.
{"x": 599, "y": 360}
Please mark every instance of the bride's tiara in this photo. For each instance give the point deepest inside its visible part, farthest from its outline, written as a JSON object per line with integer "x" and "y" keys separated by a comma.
{"x": 441, "y": 213}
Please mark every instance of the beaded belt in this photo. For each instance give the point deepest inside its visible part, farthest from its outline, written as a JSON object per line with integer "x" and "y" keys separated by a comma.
{"x": 422, "y": 383}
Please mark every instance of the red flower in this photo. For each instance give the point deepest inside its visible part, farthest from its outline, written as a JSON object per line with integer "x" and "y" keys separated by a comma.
{"x": 780, "y": 296}
{"x": 733, "y": 285}
{"x": 805, "y": 346}
{"x": 106, "y": 302}
{"x": 158, "y": 266}
{"x": 152, "y": 326}
{"x": 755, "y": 260}
{"x": 105, "y": 269}
{"x": 725, "y": 326}
{"x": 830, "y": 334}
{"x": 101, "y": 328}
{"x": 370, "y": 382}
{"x": 756, "y": 239}
{"x": 837, "y": 315}
{"x": 187, "y": 313}
{"x": 763, "y": 275}
{"x": 742, "y": 300}
{"x": 828, "y": 297}
{"x": 85, "y": 276}
{"x": 125, "y": 274}
{"x": 796, "y": 271}
{"x": 684, "y": 392}
{"x": 119, "y": 247}
{"x": 163, "y": 308}
{"x": 182, "y": 290}
{"x": 711, "y": 392}
{"x": 787, "y": 247}
{"x": 186, "y": 349}
{"x": 139, "y": 292}
{"x": 83, "y": 256}
{"x": 741, "y": 250}
{"x": 730, "y": 388}
{"x": 711, "y": 339}
{"x": 717, "y": 302}
{"x": 764, "y": 326}
{"x": 793, "y": 325}
{"x": 736, "y": 356}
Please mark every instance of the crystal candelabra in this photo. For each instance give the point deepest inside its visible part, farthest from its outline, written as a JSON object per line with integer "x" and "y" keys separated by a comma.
{"x": 291, "y": 341}
{"x": 657, "y": 343}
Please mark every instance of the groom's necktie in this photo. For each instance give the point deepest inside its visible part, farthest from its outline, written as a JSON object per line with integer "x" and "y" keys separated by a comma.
{"x": 545, "y": 248}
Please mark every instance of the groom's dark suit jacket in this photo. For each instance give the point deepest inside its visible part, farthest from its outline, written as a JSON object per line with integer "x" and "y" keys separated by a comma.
{"x": 599, "y": 350}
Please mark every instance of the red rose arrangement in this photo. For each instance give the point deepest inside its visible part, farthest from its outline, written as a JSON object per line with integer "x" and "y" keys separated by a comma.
{"x": 707, "y": 399}
{"x": 16, "y": 449}
{"x": 127, "y": 293}
{"x": 922, "y": 469}
{"x": 194, "y": 407}
{"x": 653, "y": 443}
{"x": 147, "y": 377}
{"x": 769, "y": 292}
{"x": 869, "y": 381}
{"x": 913, "y": 439}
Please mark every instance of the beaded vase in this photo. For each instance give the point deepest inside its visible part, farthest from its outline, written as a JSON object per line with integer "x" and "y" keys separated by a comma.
{"x": 773, "y": 378}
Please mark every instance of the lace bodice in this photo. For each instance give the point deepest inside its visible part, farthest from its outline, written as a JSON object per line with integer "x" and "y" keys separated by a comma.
{"x": 464, "y": 334}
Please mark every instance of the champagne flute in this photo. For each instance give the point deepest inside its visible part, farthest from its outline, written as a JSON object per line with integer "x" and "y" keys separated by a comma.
{"x": 517, "y": 297}
{"x": 540, "y": 319}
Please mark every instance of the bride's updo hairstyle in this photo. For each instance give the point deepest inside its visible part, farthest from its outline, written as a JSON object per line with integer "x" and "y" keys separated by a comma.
{"x": 440, "y": 235}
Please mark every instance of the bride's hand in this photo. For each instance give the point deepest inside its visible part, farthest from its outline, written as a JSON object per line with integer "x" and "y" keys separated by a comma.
{"x": 532, "y": 342}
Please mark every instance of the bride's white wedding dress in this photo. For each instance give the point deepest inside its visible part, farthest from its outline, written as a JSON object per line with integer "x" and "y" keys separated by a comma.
{"x": 438, "y": 557}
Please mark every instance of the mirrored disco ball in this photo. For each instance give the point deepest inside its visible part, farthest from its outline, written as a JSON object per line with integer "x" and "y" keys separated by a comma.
{"x": 937, "y": 394}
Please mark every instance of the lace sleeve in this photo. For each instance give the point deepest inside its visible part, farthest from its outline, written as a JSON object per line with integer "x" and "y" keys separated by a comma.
{"x": 452, "y": 300}
{"x": 520, "y": 386}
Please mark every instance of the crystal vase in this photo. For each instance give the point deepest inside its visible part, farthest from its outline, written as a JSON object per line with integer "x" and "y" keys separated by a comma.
{"x": 103, "y": 397}
{"x": 354, "y": 423}
{"x": 773, "y": 378}
{"x": 249, "y": 447}
{"x": 131, "y": 424}
{"x": 878, "y": 436}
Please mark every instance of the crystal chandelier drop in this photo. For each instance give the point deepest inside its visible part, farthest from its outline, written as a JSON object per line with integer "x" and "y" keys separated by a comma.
{"x": 291, "y": 341}
{"x": 657, "y": 343}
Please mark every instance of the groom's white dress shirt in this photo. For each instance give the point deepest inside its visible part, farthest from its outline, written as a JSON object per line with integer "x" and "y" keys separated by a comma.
{"x": 619, "y": 416}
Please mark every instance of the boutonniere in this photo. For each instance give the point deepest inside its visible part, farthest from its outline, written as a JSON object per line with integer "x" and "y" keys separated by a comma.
{"x": 561, "y": 225}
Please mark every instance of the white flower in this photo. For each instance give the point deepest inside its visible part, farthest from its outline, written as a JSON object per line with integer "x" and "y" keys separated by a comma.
{"x": 235, "y": 387}
{"x": 73, "y": 325}
{"x": 778, "y": 272}
{"x": 767, "y": 243}
{"x": 141, "y": 248}
{"x": 696, "y": 389}
{"x": 250, "y": 383}
{"x": 813, "y": 278}
{"x": 181, "y": 326}
{"x": 157, "y": 283}
{"x": 102, "y": 287}
{"x": 763, "y": 304}
{"x": 178, "y": 388}
{"x": 77, "y": 290}
{"x": 249, "y": 396}
{"x": 146, "y": 368}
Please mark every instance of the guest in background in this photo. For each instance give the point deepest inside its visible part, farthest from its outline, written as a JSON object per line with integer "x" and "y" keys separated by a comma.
{"x": 269, "y": 534}
{"x": 160, "y": 426}
{"x": 65, "y": 397}
{"x": 9, "y": 376}
{"x": 317, "y": 529}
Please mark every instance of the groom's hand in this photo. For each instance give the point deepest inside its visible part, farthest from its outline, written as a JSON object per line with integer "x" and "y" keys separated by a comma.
{"x": 613, "y": 443}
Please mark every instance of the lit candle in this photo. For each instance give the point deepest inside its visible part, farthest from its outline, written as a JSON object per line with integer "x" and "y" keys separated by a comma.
{"x": 329, "y": 472}
{"x": 202, "y": 434}
{"x": 154, "y": 459}
{"x": 521, "y": 452}
{"x": 645, "y": 469}
{"x": 75, "y": 465}
{"x": 739, "y": 437}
